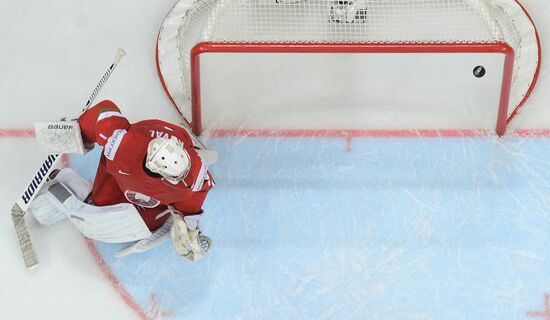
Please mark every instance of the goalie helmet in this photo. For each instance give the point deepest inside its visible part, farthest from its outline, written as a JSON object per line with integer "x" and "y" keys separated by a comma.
{"x": 168, "y": 158}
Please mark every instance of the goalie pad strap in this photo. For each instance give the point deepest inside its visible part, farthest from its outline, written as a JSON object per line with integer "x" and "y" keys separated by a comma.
{"x": 79, "y": 186}
{"x": 42, "y": 208}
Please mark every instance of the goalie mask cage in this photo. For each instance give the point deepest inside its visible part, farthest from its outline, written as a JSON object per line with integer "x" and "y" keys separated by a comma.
{"x": 419, "y": 32}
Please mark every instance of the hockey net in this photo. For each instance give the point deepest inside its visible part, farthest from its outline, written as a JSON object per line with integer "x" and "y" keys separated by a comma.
{"x": 330, "y": 21}
{"x": 379, "y": 26}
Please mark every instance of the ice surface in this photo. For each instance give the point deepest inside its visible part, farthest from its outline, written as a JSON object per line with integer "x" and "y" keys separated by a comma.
{"x": 302, "y": 227}
{"x": 375, "y": 228}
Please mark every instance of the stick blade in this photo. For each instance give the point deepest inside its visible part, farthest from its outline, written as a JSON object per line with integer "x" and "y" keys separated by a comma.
{"x": 25, "y": 242}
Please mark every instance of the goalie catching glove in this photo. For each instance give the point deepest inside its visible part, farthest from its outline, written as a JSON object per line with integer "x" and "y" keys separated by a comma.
{"x": 187, "y": 237}
{"x": 185, "y": 233}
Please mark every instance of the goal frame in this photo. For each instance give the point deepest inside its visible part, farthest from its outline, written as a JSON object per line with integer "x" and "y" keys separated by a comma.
{"x": 319, "y": 48}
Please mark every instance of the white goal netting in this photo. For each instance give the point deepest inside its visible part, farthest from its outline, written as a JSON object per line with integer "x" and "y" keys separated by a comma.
{"x": 380, "y": 22}
{"x": 341, "y": 21}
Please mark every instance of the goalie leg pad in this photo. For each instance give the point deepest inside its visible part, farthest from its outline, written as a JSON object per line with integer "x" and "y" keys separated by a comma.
{"x": 115, "y": 223}
{"x": 79, "y": 186}
{"x": 158, "y": 237}
{"x": 42, "y": 207}
{"x": 44, "y": 211}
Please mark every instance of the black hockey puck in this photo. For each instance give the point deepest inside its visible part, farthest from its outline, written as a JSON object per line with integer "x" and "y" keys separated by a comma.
{"x": 479, "y": 71}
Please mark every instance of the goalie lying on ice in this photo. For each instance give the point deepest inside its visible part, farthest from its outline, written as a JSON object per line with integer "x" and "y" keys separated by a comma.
{"x": 150, "y": 184}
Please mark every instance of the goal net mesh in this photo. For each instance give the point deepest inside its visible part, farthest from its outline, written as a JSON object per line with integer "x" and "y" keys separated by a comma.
{"x": 333, "y": 22}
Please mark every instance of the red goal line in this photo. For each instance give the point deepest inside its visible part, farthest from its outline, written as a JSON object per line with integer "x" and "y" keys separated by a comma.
{"x": 297, "y": 133}
{"x": 382, "y": 133}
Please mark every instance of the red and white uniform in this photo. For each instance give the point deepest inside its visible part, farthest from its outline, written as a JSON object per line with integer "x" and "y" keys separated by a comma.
{"x": 121, "y": 175}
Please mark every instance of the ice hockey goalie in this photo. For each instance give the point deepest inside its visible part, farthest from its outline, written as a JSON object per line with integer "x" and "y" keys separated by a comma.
{"x": 150, "y": 185}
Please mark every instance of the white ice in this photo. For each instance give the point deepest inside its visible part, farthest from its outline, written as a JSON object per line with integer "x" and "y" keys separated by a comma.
{"x": 51, "y": 56}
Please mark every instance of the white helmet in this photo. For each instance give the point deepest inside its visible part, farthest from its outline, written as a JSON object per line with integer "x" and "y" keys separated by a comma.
{"x": 168, "y": 158}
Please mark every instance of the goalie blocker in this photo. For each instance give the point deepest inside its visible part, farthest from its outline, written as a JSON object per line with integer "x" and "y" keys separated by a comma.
{"x": 60, "y": 137}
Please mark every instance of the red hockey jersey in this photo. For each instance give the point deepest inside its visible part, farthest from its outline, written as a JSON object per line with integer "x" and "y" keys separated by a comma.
{"x": 121, "y": 175}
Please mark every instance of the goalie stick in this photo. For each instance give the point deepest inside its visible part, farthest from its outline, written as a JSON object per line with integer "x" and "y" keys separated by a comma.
{"x": 52, "y": 161}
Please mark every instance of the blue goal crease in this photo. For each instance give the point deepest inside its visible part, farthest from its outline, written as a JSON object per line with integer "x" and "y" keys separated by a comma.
{"x": 395, "y": 228}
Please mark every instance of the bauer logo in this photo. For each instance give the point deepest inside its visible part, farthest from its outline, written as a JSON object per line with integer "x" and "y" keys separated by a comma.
{"x": 60, "y": 126}
{"x": 39, "y": 178}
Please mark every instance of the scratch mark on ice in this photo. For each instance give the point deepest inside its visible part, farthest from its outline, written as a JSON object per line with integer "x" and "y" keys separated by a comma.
{"x": 303, "y": 283}
{"x": 528, "y": 254}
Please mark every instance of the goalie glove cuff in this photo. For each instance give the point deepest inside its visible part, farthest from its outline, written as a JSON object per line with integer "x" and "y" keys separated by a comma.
{"x": 193, "y": 222}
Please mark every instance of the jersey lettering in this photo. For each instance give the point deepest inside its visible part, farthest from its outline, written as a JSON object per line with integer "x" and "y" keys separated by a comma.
{"x": 162, "y": 134}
